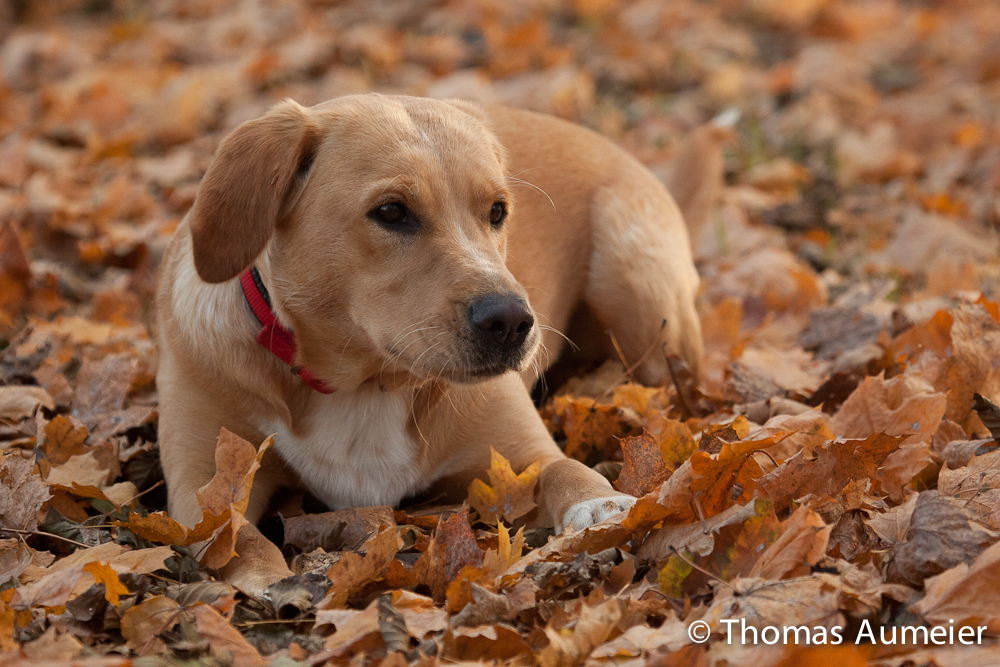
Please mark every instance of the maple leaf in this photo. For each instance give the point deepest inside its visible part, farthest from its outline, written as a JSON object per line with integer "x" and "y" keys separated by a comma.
{"x": 836, "y": 464}
{"x": 592, "y": 428}
{"x": 507, "y": 495}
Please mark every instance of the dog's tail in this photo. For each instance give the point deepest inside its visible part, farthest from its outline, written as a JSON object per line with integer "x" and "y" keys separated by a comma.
{"x": 696, "y": 173}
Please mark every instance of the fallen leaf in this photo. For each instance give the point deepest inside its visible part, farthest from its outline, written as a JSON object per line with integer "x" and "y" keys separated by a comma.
{"x": 836, "y": 464}
{"x": 591, "y": 630}
{"x": 963, "y": 592}
{"x": 17, "y": 403}
{"x": 113, "y": 588}
{"x": 976, "y": 486}
{"x": 508, "y": 495}
{"x": 353, "y": 572}
{"x": 801, "y": 543}
{"x": 644, "y": 469}
{"x": 227, "y": 643}
{"x": 941, "y": 535}
{"x": 591, "y": 428}
{"x": 452, "y": 548}
{"x": 334, "y": 530}
{"x": 141, "y": 624}
{"x": 22, "y": 494}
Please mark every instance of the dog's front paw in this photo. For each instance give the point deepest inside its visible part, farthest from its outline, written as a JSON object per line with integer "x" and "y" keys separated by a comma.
{"x": 587, "y": 513}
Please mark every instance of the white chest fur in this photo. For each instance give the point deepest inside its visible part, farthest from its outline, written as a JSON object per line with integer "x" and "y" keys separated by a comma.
{"x": 357, "y": 452}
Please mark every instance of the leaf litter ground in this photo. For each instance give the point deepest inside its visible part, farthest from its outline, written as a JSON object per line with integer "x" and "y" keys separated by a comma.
{"x": 834, "y": 464}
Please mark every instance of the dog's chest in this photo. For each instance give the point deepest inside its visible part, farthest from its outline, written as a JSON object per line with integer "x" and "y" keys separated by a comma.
{"x": 357, "y": 451}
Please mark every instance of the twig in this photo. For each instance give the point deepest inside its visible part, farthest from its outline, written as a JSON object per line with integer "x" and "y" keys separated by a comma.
{"x": 142, "y": 493}
{"x": 701, "y": 514}
{"x": 247, "y": 624}
{"x": 42, "y": 533}
{"x": 701, "y": 569}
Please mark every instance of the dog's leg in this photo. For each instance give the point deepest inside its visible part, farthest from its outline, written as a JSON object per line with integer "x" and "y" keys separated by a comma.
{"x": 188, "y": 434}
{"x": 642, "y": 281}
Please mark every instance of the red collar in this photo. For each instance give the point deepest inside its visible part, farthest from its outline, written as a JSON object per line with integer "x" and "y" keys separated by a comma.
{"x": 274, "y": 336}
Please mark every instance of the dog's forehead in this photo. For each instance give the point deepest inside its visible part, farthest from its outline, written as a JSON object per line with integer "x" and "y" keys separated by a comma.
{"x": 396, "y": 130}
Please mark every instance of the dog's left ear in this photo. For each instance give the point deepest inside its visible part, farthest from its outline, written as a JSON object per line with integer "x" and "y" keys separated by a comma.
{"x": 255, "y": 178}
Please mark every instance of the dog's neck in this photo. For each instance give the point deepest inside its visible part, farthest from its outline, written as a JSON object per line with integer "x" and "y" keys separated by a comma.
{"x": 274, "y": 336}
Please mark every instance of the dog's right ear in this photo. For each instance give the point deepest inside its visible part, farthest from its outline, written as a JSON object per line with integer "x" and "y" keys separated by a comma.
{"x": 256, "y": 176}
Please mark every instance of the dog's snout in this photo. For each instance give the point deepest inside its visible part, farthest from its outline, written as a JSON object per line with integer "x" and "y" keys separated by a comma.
{"x": 502, "y": 320}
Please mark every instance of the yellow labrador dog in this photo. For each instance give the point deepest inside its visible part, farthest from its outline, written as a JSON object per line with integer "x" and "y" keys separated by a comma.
{"x": 374, "y": 280}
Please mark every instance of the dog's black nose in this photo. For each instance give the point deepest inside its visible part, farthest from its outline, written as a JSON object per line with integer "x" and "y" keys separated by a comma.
{"x": 503, "y": 320}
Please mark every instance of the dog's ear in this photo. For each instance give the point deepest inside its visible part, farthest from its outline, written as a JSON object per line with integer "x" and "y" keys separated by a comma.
{"x": 255, "y": 178}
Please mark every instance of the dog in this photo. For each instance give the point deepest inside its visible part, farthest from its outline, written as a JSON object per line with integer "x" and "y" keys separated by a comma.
{"x": 378, "y": 280}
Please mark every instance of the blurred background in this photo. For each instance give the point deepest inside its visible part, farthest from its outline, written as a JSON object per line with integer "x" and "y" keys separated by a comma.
{"x": 856, "y": 145}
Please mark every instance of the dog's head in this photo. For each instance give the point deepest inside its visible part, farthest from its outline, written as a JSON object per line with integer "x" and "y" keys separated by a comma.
{"x": 383, "y": 225}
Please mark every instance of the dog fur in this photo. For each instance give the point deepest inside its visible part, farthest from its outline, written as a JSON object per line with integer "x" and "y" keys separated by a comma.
{"x": 591, "y": 238}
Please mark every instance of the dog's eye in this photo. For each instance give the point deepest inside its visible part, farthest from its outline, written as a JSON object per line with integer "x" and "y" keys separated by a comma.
{"x": 393, "y": 214}
{"x": 498, "y": 213}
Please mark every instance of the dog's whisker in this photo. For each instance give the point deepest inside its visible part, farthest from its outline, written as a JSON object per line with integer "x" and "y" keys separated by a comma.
{"x": 575, "y": 347}
{"x": 518, "y": 181}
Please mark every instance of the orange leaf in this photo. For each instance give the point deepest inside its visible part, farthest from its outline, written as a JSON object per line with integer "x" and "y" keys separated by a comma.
{"x": 113, "y": 588}
{"x": 508, "y": 495}
{"x": 644, "y": 468}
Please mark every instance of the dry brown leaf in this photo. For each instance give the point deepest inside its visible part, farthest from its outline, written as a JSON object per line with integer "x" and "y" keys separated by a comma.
{"x": 484, "y": 642}
{"x": 15, "y": 557}
{"x": 836, "y": 464}
{"x": 356, "y": 630}
{"x": 15, "y": 275}
{"x": 223, "y": 501}
{"x": 591, "y": 426}
{"x": 227, "y": 643}
{"x": 892, "y": 526}
{"x": 353, "y": 571}
{"x": 17, "y": 403}
{"x": 331, "y": 531}
{"x": 675, "y": 439}
{"x": 976, "y": 486}
{"x": 421, "y": 616}
{"x": 694, "y": 537}
{"x": 941, "y": 535}
{"x": 903, "y": 405}
{"x": 966, "y": 591}
{"x": 801, "y": 544}
{"x": 52, "y": 590}
{"x": 53, "y": 647}
{"x": 141, "y": 624}
{"x": 592, "y": 629}
{"x": 643, "y": 640}
{"x": 22, "y": 494}
{"x": 453, "y": 547}
{"x": 499, "y": 560}
{"x": 508, "y": 495}
{"x": 644, "y": 469}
